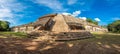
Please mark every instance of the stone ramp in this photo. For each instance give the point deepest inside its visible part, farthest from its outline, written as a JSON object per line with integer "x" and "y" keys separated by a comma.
{"x": 71, "y": 36}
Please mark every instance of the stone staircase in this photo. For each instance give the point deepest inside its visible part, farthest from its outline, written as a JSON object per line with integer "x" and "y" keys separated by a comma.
{"x": 71, "y": 35}
{"x": 63, "y": 35}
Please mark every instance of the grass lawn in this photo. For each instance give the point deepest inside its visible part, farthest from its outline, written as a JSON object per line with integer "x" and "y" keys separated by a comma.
{"x": 13, "y": 34}
{"x": 106, "y": 38}
{"x": 101, "y": 43}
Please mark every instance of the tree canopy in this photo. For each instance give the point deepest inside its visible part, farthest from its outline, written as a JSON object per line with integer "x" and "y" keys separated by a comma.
{"x": 91, "y": 21}
{"x": 4, "y": 26}
{"x": 114, "y": 27}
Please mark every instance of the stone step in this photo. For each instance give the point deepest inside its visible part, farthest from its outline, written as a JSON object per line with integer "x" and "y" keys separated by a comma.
{"x": 64, "y": 35}
{"x": 72, "y": 35}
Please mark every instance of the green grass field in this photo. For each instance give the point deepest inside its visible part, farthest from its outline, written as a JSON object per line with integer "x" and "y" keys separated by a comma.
{"x": 12, "y": 34}
{"x": 103, "y": 38}
{"x": 106, "y": 38}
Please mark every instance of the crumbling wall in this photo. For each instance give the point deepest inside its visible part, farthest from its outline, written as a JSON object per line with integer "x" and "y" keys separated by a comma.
{"x": 95, "y": 29}
{"x": 25, "y": 29}
{"x": 16, "y": 29}
{"x": 29, "y": 29}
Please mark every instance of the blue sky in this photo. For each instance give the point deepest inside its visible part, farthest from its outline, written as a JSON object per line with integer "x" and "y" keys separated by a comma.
{"x": 19, "y": 12}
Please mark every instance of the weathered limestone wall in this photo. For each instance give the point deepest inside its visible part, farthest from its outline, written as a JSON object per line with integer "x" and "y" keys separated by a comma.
{"x": 95, "y": 29}
{"x": 60, "y": 24}
{"x": 22, "y": 29}
{"x": 88, "y": 28}
{"x": 29, "y": 29}
{"x": 25, "y": 29}
{"x": 16, "y": 29}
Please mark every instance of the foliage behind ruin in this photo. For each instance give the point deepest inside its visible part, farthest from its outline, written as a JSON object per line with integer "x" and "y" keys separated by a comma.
{"x": 114, "y": 27}
{"x": 4, "y": 26}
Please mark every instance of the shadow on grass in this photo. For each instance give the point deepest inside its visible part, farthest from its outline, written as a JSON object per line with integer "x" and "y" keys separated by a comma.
{"x": 101, "y": 44}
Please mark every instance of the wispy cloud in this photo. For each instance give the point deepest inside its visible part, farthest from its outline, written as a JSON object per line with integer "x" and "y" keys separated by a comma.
{"x": 116, "y": 18}
{"x": 4, "y": 12}
{"x": 52, "y": 4}
{"x": 8, "y": 8}
{"x": 71, "y": 2}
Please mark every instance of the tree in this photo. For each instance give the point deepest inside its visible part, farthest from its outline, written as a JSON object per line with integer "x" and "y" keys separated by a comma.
{"x": 91, "y": 21}
{"x": 104, "y": 26}
{"x": 4, "y": 26}
{"x": 95, "y": 22}
{"x": 114, "y": 27}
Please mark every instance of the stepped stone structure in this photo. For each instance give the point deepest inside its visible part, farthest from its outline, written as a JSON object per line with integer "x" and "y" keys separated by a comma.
{"x": 62, "y": 24}
{"x": 59, "y": 23}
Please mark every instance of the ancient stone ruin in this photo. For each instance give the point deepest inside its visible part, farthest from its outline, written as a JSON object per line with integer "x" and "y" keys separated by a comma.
{"x": 61, "y": 27}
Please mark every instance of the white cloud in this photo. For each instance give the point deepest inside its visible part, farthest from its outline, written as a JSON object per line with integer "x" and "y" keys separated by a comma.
{"x": 9, "y": 20}
{"x": 84, "y": 18}
{"x": 75, "y": 14}
{"x": 53, "y": 4}
{"x": 97, "y": 19}
{"x": 8, "y": 8}
{"x": 116, "y": 18}
{"x": 5, "y": 13}
{"x": 70, "y": 2}
{"x": 65, "y": 13}
{"x": 13, "y": 5}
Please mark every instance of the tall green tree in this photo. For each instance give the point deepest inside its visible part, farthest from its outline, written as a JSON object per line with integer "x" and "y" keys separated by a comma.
{"x": 92, "y": 21}
{"x": 114, "y": 27}
{"x": 4, "y": 26}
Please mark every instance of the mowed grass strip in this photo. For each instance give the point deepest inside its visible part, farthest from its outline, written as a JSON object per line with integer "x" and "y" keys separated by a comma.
{"x": 13, "y": 34}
